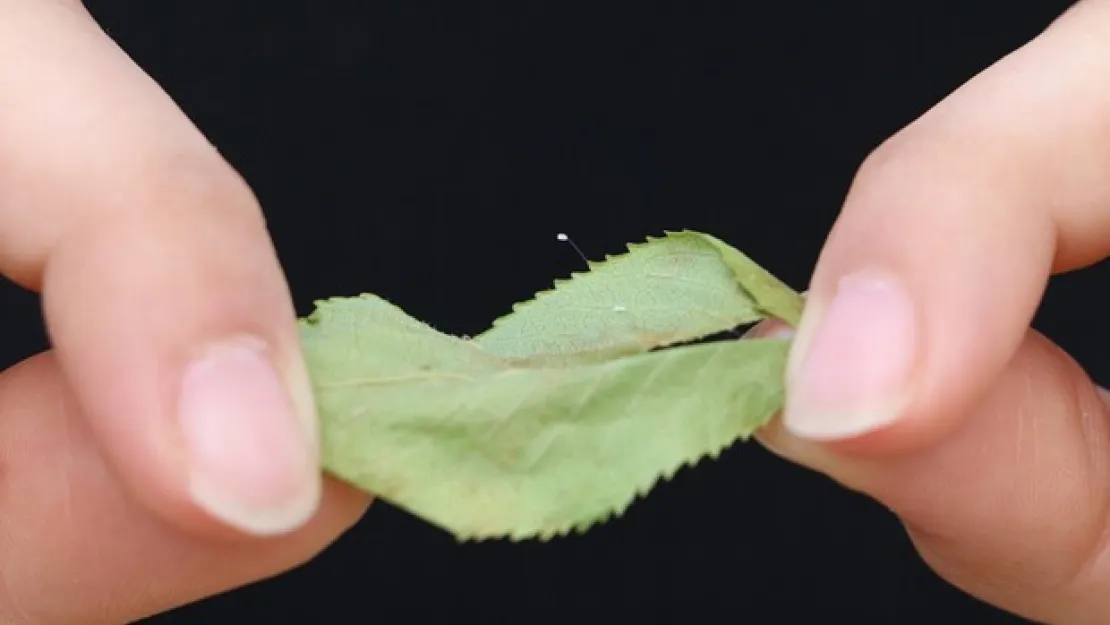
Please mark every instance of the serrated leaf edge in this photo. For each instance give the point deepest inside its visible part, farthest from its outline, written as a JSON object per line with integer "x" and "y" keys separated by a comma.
{"x": 639, "y": 493}
{"x": 594, "y": 265}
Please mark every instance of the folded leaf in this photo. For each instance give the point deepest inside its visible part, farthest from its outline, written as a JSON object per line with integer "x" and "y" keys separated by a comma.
{"x": 772, "y": 297}
{"x": 559, "y": 416}
{"x": 668, "y": 290}
{"x": 487, "y": 448}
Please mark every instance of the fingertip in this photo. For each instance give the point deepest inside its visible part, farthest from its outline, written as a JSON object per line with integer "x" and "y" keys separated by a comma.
{"x": 177, "y": 333}
{"x": 922, "y": 293}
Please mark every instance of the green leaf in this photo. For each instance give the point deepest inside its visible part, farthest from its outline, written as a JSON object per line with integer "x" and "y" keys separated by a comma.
{"x": 772, "y": 297}
{"x": 668, "y": 290}
{"x": 559, "y": 416}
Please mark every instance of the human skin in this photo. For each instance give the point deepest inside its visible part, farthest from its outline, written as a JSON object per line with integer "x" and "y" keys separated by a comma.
{"x": 915, "y": 377}
{"x": 165, "y": 448}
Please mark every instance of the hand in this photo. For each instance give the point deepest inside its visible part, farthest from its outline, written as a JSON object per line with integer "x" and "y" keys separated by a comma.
{"x": 915, "y": 377}
{"x": 166, "y": 449}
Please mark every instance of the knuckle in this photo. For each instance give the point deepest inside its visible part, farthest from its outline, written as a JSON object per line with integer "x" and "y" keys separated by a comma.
{"x": 892, "y": 161}
{"x": 918, "y": 169}
{"x": 174, "y": 197}
{"x": 189, "y": 182}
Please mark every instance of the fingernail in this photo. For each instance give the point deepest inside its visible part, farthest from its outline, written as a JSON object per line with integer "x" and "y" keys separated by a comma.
{"x": 252, "y": 459}
{"x": 1103, "y": 394}
{"x": 851, "y": 361}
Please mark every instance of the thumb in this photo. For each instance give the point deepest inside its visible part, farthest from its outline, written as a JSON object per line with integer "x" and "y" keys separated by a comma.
{"x": 1012, "y": 506}
{"x": 163, "y": 297}
{"x": 914, "y": 376}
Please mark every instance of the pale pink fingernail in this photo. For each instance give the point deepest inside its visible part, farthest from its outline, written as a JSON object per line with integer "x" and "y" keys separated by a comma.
{"x": 851, "y": 361}
{"x": 251, "y": 464}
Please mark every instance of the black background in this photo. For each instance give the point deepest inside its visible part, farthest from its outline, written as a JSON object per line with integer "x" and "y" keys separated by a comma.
{"x": 429, "y": 152}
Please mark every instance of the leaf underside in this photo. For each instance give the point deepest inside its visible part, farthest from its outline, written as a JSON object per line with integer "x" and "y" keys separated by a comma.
{"x": 564, "y": 411}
